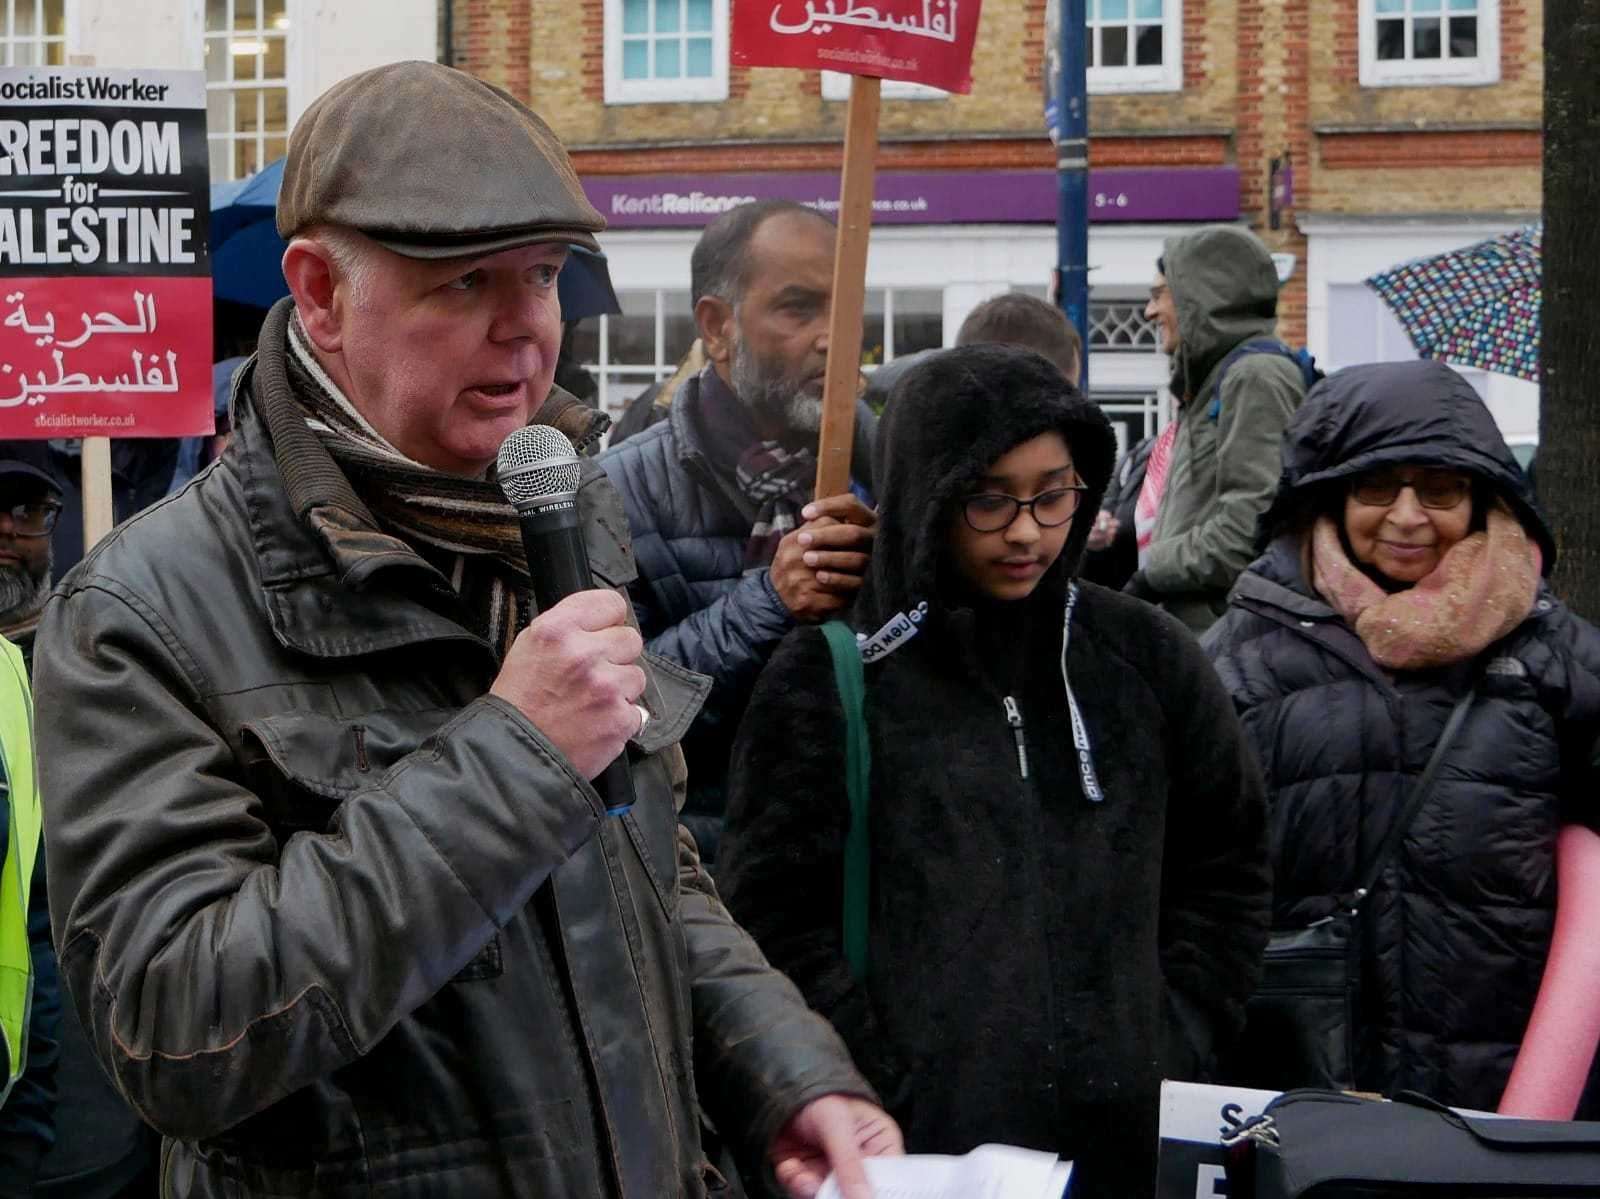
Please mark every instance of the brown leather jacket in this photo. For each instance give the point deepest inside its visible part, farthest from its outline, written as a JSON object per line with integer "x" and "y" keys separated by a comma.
{"x": 340, "y": 923}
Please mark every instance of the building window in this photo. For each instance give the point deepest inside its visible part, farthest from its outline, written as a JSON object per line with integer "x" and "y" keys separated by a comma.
{"x": 666, "y": 50}
{"x": 1121, "y": 327}
{"x": 247, "y": 88}
{"x": 33, "y": 33}
{"x": 1135, "y": 46}
{"x": 836, "y": 86}
{"x": 1429, "y": 42}
{"x": 642, "y": 346}
{"x": 900, "y": 321}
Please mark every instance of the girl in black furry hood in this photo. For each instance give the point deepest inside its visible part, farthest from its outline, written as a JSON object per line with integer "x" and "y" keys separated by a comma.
{"x": 1069, "y": 890}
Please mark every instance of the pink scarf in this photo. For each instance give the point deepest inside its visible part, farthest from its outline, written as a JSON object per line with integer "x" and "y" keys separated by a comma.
{"x": 1483, "y": 587}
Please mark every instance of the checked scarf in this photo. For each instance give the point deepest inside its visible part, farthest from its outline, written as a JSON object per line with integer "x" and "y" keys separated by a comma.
{"x": 1148, "y": 505}
{"x": 463, "y": 526}
{"x": 778, "y": 483}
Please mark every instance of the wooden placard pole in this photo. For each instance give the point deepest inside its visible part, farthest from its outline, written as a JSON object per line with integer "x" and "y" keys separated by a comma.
{"x": 95, "y": 468}
{"x": 849, "y": 288}
{"x": 94, "y": 461}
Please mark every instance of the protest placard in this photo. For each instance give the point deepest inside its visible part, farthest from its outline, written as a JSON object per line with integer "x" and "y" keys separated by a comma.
{"x": 105, "y": 290}
{"x": 919, "y": 41}
{"x": 1194, "y": 1118}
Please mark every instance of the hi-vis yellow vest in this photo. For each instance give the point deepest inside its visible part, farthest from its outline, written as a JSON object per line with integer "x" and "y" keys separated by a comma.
{"x": 21, "y": 848}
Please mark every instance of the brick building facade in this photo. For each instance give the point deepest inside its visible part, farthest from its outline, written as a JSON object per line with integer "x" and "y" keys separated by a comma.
{"x": 1411, "y": 126}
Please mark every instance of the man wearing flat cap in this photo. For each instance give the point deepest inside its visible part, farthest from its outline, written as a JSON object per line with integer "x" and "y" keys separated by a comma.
{"x": 333, "y": 893}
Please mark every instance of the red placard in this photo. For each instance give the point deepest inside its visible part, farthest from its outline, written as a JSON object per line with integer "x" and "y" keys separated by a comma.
{"x": 105, "y": 289}
{"x": 109, "y": 356}
{"x": 919, "y": 41}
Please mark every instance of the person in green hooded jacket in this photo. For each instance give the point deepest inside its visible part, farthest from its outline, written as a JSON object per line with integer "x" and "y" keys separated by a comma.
{"x": 1214, "y": 469}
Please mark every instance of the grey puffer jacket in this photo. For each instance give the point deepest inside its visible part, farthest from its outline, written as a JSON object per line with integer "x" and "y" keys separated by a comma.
{"x": 337, "y": 921}
{"x": 1458, "y": 929}
{"x": 697, "y": 605}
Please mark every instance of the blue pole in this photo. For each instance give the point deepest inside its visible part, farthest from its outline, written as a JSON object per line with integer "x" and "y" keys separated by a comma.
{"x": 1072, "y": 169}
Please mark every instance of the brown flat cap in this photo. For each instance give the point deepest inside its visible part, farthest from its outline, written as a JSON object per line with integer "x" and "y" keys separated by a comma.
{"x": 431, "y": 162}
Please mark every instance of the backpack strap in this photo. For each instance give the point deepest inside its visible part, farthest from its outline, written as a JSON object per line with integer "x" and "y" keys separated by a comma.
{"x": 1302, "y": 359}
{"x": 850, "y": 679}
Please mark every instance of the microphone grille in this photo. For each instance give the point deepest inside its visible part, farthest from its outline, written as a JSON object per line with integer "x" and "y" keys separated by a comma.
{"x": 537, "y": 461}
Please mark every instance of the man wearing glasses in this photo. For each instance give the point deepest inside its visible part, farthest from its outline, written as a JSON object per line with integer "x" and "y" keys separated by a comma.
{"x": 30, "y": 502}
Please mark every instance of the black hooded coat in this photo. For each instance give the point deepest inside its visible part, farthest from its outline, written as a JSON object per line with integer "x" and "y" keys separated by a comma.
{"x": 1039, "y": 960}
{"x": 1458, "y": 929}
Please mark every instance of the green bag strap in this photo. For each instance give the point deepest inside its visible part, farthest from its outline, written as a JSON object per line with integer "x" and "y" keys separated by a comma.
{"x": 852, "y": 684}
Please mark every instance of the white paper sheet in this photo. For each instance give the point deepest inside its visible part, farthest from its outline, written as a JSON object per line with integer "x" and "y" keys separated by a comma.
{"x": 988, "y": 1172}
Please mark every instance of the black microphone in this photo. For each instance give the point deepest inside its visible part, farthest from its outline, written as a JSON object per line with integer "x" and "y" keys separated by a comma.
{"x": 538, "y": 471}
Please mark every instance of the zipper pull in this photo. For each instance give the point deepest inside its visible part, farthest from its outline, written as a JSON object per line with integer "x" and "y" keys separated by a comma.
{"x": 1014, "y": 719}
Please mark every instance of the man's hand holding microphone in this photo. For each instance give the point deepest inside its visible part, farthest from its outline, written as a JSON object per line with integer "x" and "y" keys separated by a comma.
{"x": 574, "y": 672}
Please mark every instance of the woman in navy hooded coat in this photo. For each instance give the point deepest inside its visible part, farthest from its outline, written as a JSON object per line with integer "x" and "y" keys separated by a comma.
{"x": 1404, "y": 569}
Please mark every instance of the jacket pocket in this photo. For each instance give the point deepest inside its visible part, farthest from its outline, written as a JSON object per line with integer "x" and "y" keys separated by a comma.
{"x": 304, "y": 765}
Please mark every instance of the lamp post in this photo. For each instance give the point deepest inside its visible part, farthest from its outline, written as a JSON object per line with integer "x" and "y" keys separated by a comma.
{"x": 1072, "y": 171}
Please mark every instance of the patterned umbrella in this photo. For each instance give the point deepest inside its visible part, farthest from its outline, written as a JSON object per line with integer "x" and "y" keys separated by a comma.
{"x": 1477, "y": 306}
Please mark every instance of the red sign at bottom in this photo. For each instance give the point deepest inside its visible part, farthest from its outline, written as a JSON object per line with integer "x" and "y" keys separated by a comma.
{"x": 105, "y": 357}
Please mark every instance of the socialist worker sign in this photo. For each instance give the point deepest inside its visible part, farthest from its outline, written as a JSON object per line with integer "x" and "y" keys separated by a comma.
{"x": 105, "y": 289}
{"x": 919, "y": 41}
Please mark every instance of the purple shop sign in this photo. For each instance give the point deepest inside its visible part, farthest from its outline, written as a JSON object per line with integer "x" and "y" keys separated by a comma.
{"x": 923, "y": 197}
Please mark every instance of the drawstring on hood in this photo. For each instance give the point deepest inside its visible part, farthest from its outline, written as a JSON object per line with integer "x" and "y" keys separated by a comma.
{"x": 949, "y": 419}
{"x": 1080, "y": 731}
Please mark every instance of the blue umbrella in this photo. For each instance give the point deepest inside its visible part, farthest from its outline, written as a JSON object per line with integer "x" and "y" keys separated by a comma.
{"x": 585, "y": 286}
{"x": 247, "y": 253}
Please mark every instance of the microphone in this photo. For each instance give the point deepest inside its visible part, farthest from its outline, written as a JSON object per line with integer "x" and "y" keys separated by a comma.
{"x": 538, "y": 471}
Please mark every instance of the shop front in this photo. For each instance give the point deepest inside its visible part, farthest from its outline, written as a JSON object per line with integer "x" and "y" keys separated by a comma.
{"x": 942, "y": 242}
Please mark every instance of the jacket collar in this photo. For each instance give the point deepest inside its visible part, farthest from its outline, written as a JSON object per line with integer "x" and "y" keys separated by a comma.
{"x": 1274, "y": 580}
{"x": 334, "y": 583}
{"x": 685, "y": 417}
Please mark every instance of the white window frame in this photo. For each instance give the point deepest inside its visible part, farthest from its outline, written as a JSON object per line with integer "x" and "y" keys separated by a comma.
{"x": 665, "y": 91}
{"x": 292, "y": 37}
{"x": 1168, "y": 77}
{"x": 1435, "y": 72}
{"x": 836, "y": 86}
{"x": 40, "y": 41}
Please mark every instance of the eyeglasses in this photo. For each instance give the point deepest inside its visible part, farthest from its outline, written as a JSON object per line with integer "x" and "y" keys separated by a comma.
{"x": 32, "y": 520}
{"x": 1049, "y": 509}
{"x": 1433, "y": 488}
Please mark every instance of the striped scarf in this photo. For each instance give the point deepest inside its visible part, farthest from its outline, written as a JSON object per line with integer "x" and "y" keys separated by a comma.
{"x": 778, "y": 483}
{"x": 463, "y": 526}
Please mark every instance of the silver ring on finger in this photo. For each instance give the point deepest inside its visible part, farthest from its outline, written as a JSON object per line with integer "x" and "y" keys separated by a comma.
{"x": 644, "y": 719}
